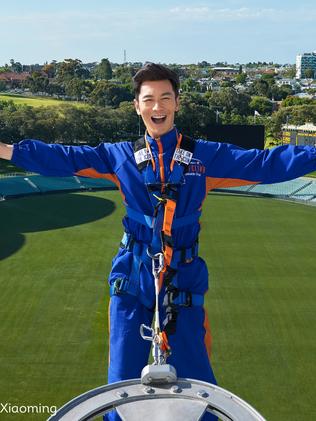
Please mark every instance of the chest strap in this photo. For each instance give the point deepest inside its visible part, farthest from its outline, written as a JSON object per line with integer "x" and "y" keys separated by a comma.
{"x": 150, "y": 220}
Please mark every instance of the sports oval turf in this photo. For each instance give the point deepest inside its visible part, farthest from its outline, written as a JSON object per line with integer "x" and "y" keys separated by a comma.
{"x": 55, "y": 253}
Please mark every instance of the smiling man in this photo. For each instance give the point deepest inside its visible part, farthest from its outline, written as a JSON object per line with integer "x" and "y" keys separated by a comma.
{"x": 164, "y": 178}
{"x": 157, "y": 101}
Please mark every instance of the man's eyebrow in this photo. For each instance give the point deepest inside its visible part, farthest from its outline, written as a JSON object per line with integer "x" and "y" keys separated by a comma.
{"x": 148, "y": 96}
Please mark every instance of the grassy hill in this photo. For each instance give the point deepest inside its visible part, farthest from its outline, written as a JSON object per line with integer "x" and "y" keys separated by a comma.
{"x": 55, "y": 254}
{"x": 37, "y": 101}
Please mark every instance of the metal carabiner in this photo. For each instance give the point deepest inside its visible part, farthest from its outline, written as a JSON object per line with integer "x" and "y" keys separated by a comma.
{"x": 142, "y": 330}
{"x": 157, "y": 262}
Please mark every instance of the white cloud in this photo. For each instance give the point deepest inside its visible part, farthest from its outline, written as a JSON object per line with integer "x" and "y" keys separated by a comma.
{"x": 126, "y": 20}
{"x": 205, "y": 13}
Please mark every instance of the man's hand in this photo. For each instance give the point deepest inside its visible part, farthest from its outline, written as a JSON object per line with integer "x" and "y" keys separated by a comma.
{"x": 6, "y": 151}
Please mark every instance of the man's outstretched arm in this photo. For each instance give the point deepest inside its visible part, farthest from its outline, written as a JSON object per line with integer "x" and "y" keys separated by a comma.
{"x": 58, "y": 160}
{"x": 6, "y": 151}
{"x": 228, "y": 165}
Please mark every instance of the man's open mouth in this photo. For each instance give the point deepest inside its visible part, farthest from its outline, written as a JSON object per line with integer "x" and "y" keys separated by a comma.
{"x": 158, "y": 119}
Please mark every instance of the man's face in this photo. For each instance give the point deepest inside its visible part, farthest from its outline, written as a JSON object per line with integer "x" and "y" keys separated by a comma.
{"x": 157, "y": 105}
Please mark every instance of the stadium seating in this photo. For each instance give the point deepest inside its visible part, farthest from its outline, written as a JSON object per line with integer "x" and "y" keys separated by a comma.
{"x": 301, "y": 189}
{"x": 36, "y": 184}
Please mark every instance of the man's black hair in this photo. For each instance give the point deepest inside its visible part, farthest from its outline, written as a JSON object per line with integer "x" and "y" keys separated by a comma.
{"x": 153, "y": 71}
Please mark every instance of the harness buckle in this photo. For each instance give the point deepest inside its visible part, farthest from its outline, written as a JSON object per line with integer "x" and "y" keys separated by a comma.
{"x": 127, "y": 241}
{"x": 120, "y": 285}
{"x": 188, "y": 300}
{"x": 175, "y": 298}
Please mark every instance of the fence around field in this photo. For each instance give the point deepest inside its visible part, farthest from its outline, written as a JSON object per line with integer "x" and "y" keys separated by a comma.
{"x": 15, "y": 185}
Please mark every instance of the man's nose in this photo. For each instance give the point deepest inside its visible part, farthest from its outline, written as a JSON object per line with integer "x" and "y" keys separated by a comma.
{"x": 156, "y": 106}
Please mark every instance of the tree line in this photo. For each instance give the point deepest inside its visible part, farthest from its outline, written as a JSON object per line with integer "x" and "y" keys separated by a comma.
{"x": 92, "y": 124}
{"x": 110, "y": 114}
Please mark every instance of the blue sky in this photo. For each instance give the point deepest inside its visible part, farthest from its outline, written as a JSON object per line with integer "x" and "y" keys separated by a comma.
{"x": 173, "y": 31}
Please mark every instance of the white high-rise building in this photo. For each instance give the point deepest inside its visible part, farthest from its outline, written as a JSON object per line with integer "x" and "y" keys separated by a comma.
{"x": 303, "y": 62}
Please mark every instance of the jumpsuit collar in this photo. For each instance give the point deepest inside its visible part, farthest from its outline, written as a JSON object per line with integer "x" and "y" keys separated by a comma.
{"x": 168, "y": 140}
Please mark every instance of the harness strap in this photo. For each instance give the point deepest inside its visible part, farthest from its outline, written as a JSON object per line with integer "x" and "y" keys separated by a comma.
{"x": 150, "y": 220}
{"x": 164, "y": 199}
{"x": 178, "y": 298}
{"x": 181, "y": 255}
{"x": 174, "y": 297}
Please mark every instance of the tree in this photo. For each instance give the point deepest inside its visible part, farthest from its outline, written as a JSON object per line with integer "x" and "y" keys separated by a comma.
{"x": 3, "y": 86}
{"x": 78, "y": 88}
{"x": 291, "y": 101}
{"x": 290, "y": 72}
{"x": 50, "y": 69}
{"x": 226, "y": 84}
{"x": 5, "y": 68}
{"x": 228, "y": 100}
{"x": 309, "y": 73}
{"x": 261, "y": 104}
{"x": 16, "y": 67}
{"x": 103, "y": 70}
{"x": 203, "y": 64}
{"x": 260, "y": 88}
{"x": 241, "y": 78}
{"x": 189, "y": 85}
{"x": 70, "y": 68}
{"x": 36, "y": 82}
{"x": 124, "y": 73}
{"x": 280, "y": 92}
{"x": 109, "y": 94}
{"x": 55, "y": 88}
{"x": 299, "y": 115}
{"x": 194, "y": 116}
{"x": 269, "y": 78}
{"x": 126, "y": 122}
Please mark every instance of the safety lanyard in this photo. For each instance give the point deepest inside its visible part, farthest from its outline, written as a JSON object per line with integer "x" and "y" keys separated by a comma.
{"x": 163, "y": 197}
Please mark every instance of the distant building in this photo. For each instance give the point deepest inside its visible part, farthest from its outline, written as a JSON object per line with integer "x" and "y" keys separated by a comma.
{"x": 230, "y": 71}
{"x": 209, "y": 84}
{"x": 299, "y": 135}
{"x": 303, "y": 62}
{"x": 287, "y": 81}
{"x": 10, "y": 76}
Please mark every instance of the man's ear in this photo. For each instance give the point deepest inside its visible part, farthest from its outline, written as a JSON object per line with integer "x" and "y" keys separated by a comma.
{"x": 136, "y": 105}
{"x": 177, "y": 103}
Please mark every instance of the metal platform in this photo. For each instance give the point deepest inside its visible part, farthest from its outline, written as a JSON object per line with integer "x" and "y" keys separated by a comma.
{"x": 183, "y": 400}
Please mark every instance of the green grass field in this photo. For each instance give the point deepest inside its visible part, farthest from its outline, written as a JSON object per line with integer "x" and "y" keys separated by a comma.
{"x": 55, "y": 253}
{"x": 37, "y": 101}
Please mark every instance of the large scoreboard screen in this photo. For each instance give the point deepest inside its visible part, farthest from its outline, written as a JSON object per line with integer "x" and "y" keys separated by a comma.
{"x": 245, "y": 136}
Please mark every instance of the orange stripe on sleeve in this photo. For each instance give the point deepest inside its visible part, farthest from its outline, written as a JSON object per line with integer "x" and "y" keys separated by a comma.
{"x": 92, "y": 173}
{"x": 213, "y": 183}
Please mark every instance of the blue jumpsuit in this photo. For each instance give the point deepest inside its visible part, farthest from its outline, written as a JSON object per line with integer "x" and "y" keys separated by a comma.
{"x": 213, "y": 165}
